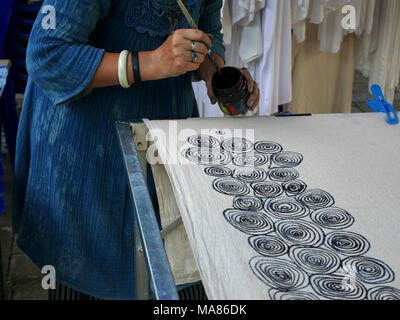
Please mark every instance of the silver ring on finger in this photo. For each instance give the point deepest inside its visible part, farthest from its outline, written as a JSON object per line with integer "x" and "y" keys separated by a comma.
{"x": 193, "y": 46}
{"x": 195, "y": 57}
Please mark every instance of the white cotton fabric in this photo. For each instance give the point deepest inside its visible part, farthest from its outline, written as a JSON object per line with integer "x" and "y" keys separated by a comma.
{"x": 352, "y": 157}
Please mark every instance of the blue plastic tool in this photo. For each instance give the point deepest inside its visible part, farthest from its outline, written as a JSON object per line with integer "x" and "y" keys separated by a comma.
{"x": 381, "y": 105}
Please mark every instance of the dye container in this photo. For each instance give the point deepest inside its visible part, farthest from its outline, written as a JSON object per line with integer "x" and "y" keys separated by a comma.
{"x": 230, "y": 89}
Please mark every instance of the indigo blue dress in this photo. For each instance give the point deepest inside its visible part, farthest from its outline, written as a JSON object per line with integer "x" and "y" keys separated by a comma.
{"x": 71, "y": 207}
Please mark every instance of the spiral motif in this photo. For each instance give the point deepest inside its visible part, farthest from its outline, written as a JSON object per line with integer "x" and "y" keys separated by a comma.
{"x": 250, "y": 175}
{"x": 286, "y": 208}
{"x": 218, "y": 172}
{"x": 368, "y": 270}
{"x": 248, "y": 203}
{"x": 267, "y": 189}
{"x": 294, "y": 188}
{"x": 315, "y": 260}
{"x": 208, "y": 157}
{"x": 316, "y": 199}
{"x": 332, "y": 218}
{"x": 237, "y": 145}
{"x": 250, "y": 222}
{"x": 347, "y": 243}
{"x": 283, "y": 174}
{"x": 268, "y": 246}
{"x": 203, "y": 141}
{"x": 231, "y": 187}
{"x": 287, "y": 159}
{"x": 298, "y": 232}
{"x": 338, "y": 287}
{"x": 268, "y": 147}
{"x": 291, "y": 295}
{"x": 384, "y": 293}
{"x": 279, "y": 274}
{"x": 250, "y": 159}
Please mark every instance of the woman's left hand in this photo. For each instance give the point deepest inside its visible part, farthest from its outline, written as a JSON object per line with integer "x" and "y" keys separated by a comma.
{"x": 253, "y": 89}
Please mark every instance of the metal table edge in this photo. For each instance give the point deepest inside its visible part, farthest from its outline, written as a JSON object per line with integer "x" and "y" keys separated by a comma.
{"x": 156, "y": 258}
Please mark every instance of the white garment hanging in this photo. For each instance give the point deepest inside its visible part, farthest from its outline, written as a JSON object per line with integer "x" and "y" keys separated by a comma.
{"x": 299, "y": 15}
{"x": 273, "y": 72}
{"x": 242, "y": 23}
{"x": 226, "y": 22}
{"x": 368, "y": 41}
{"x": 385, "y": 69}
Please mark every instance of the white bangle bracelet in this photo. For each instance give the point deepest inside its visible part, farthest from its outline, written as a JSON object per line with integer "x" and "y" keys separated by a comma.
{"x": 122, "y": 74}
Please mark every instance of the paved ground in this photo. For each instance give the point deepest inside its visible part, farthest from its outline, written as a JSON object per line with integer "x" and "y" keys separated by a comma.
{"x": 23, "y": 279}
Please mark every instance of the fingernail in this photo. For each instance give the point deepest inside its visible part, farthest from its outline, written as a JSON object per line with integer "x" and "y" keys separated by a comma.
{"x": 251, "y": 103}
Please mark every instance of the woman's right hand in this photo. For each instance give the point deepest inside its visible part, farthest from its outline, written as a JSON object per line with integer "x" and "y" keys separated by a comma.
{"x": 174, "y": 57}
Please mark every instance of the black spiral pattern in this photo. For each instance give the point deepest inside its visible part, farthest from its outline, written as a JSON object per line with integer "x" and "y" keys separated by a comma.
{"x": 218, "y": 172}
{"x": 286, "y": 208}
{"x": 237, "y": 145}
{"x": 368, "y": 270}
{"x": 316, "y": 199}
{"x": 268, "y": 147}
{"x": 332, "y": 218}
{"x": 268, "y": 246}
{"x": 231, "y": 187}
{"x": 283, "y": 174}
{"x": 384, "y": 293}
{"x": 249, "y": 222}
{"x": 250, "y": 175}
{"x": 347, "y": 243}
{"x": 291, "y": 295}
{"x": 294, "y": 188}
{"x": 248, "y": 203}
{"x": 208, "y": 157}
{"x": 338, "y": 287}
{"x": 287, "y": 159}
{"x": 267, "y": 190}
{"x": 310, "y": 264}
{"x": 279, "y": 274}
{"x": 203, "y": 141}
{"x": 298, "y": 232}
{"x": 315, "y": 260}
{"x": 250, "y": 159}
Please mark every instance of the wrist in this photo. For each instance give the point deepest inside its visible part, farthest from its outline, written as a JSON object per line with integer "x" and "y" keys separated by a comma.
{"x": 148, "y": 65}
{"x": 207, "y": 68}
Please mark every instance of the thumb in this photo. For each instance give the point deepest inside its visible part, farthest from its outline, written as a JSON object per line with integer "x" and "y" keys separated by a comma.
{"x": 210, "y": 92}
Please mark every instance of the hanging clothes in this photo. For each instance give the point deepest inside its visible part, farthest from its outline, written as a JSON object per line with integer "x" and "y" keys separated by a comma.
{"x": 241, "y": 23}
{"x": 299, "y": 15}
{"x": 382, "y": 66}
{"x": 273, "y": 71}
{"x": 322, "y": 82}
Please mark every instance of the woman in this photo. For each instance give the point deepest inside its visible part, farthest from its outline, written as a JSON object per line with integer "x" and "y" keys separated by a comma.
{"x": 71, "y": 204}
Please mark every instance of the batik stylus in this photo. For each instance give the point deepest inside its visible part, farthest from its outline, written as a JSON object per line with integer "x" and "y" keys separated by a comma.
{"x": 193, "y": 24}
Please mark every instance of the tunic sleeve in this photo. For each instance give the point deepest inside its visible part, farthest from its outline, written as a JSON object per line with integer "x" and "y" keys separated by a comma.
{"x": 210, "y": 22}
{"x": 60, "y": 61}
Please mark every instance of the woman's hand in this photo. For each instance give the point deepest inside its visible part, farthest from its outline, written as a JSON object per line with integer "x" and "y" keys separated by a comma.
{"x": 253, "y": 89}
{"x": 174, "y": 57}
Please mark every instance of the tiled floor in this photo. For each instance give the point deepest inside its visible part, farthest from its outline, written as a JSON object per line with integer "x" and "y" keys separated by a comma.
{"x": 23, "y": 278}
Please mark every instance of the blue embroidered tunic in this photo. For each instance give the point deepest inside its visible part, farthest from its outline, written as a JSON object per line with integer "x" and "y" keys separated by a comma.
{"x": 71, "y": 207}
